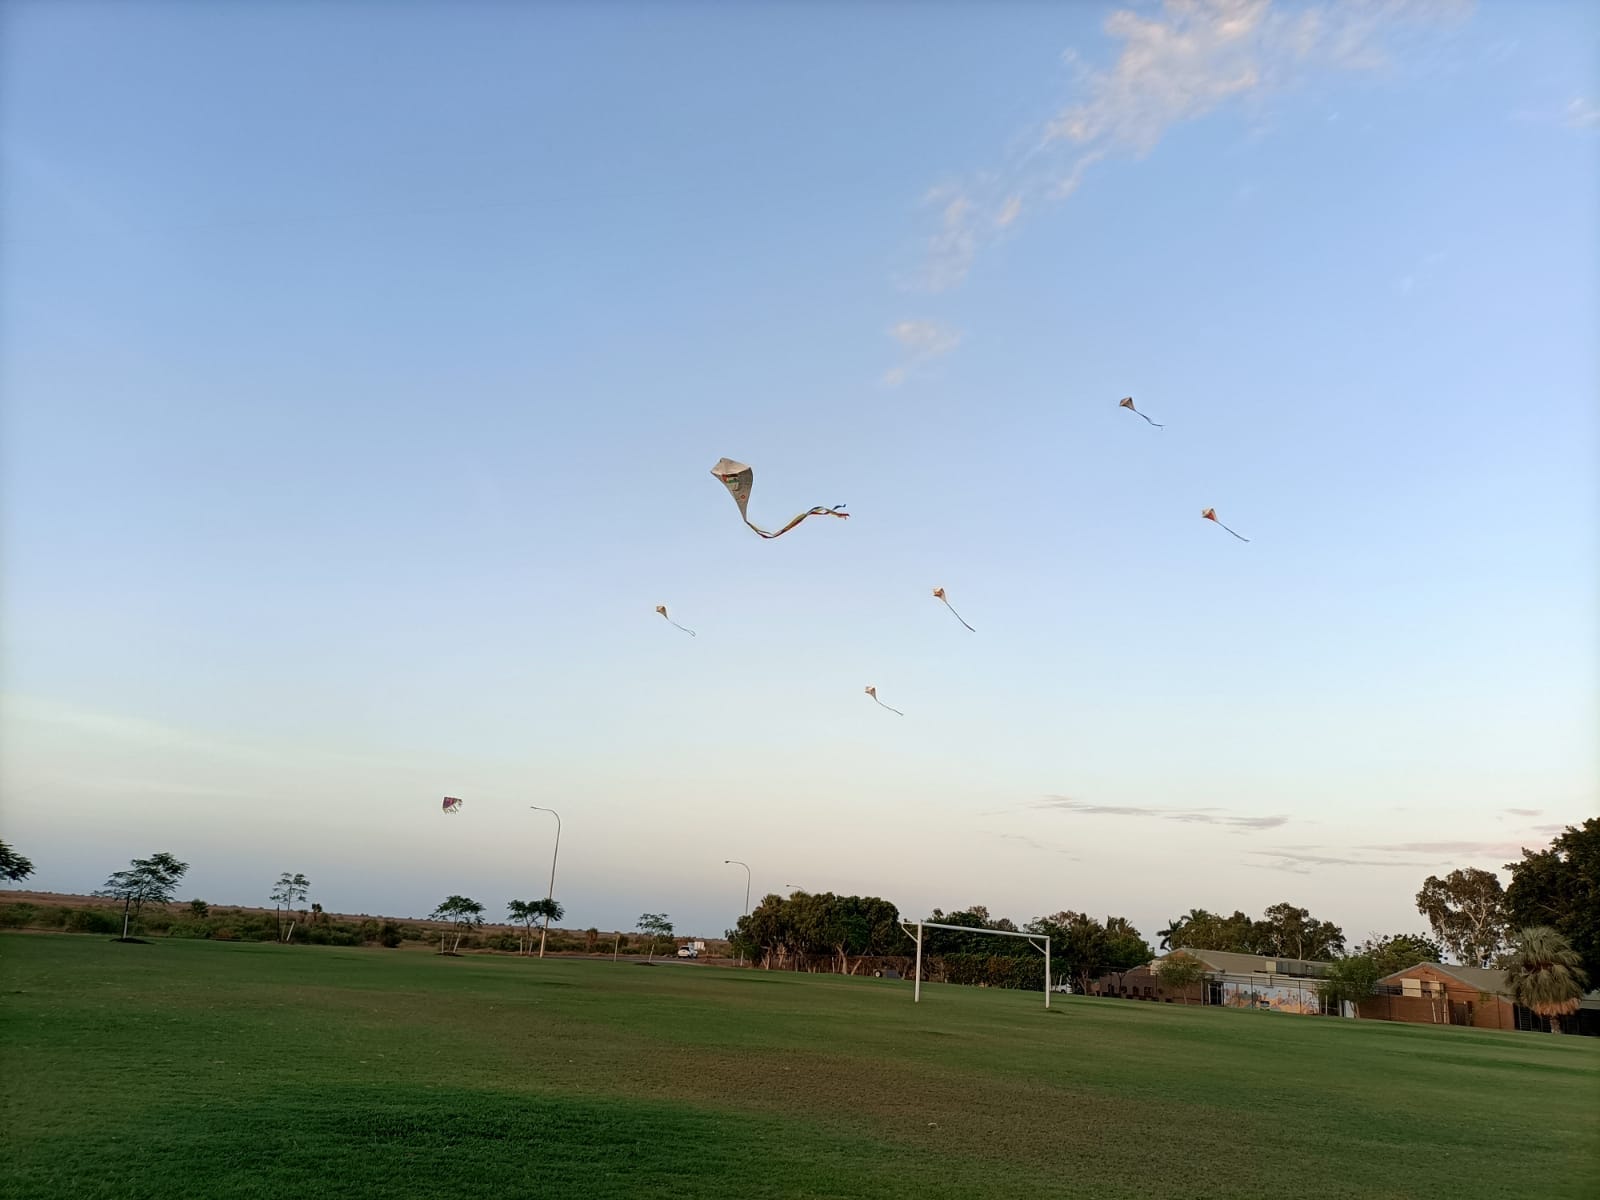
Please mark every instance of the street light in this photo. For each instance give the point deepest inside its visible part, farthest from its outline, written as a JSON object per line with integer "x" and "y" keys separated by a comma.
{"x": 734, "y": 862}
{"x": 794, "y": 887}
{"x": 551, "y": 894}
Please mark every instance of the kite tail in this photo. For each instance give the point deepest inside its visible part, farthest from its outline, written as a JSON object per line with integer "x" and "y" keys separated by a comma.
{"x": 1240, "y": 536}
{"x": 881, "y": 704}
{"x": 1157, "y": 424}
{"x": 958, "y": 616}
{"x": 675, "y": 625}
{"x": 810, "y": 512}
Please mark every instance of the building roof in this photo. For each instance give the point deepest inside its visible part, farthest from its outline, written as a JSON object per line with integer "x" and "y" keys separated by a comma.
{"x": 1226, "y": 962}
{"x": 1485, "y": 979}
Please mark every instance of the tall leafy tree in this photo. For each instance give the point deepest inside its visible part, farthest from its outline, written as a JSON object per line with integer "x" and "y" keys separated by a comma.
{"x": 1467, "y": 911}
{"x": 1351, "y": 979}
{"x": 1078, "y": 945}
{"x": 1290, "y": 932}
{"x": 1126, "y": 948}
{"x": 463, "y": 913}
{"x": 1545, "y": 974}
{"x": 1560, "y": 887}
{"x": 13, "y": 866}
{"x": 144, "y": 881}
{"x": 1393, "y": 952}
{"x": 286, "y": 893}
{"x": 656, "y": 926}
{"x": 1180, "y": 972}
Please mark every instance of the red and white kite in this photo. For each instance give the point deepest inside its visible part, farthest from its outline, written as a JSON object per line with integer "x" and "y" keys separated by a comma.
{"x": 662, "y": 609}
{"x": 1210, "y": 514}
{"x": 452, "y": 805}
{"x": 938, "y": 594}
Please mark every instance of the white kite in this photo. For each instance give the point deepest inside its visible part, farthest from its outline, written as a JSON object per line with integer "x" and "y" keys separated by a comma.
{"x": 873, "y": 692}
{"x": 662, "y": 609}
{"x": 738, "y": 479}
{"x": 938, "y": 594}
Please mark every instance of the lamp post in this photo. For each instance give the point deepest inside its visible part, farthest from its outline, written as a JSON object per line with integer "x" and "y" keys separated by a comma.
{"x": 551, "y": 894}
{"x": 794, "y": 887}
{"x": 734, "y": 862}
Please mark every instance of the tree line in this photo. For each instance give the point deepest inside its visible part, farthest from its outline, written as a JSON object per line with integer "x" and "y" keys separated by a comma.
{"x": 1471, "y": 915}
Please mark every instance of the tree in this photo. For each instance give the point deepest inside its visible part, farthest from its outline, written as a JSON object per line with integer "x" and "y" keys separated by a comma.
{"x": 1546, "y": 974}
{"x": 199, "y": 909}
{"x": 144, "y": 881}
{"x": 529, "y": 913}
{"x": 657, "y": 926}
{"x": 1126, "y": 949}
{"x": 1467, "y": 912}
{"x": 1396, "y": 951}
{"x": 13, "y": 866}
{"x": 288, "y": 890}
{"x": 1077, "y": 945}
{"x": 1560, "y": 887}
{"x": 591, "y": 940}
{"x": 1289, "y": 932}
{"x": 1180, "y": 972}
{"x": 1351, "y": 980}
{"x": 462, "y": 913}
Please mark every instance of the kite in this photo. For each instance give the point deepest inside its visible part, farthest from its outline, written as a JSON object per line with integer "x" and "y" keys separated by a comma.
{"x": 738, "y": 479}
{"x": 662, "y": 609}
{"x": 452, "y": 805}
{"x": 1127, "y": 403}
{"x": 1210, "y": 514}
{"x": 938, "y": 594}
{"x": 873, "y": 692}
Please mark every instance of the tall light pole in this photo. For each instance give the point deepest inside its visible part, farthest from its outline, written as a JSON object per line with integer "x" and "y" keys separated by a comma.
{"x": 734, "y": 862}
{"x": 551, "y": 894}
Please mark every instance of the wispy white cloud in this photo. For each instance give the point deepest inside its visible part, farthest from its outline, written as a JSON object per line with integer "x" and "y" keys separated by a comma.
{"x": 1182, "y": 62}
{"x": 920, "y": 343}
{"x": 1583, "y": 113}
{"x": 1189, "y": 816}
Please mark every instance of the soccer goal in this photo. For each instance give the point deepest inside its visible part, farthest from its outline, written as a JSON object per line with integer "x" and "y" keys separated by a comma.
{"x": 1038, "y": 941}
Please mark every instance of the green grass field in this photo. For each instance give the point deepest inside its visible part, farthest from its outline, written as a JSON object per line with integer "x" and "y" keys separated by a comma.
{"x": 196, "y": 1069}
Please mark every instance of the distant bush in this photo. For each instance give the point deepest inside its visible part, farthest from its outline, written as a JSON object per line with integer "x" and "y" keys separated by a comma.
{"x": 191, "y": 929}
{"x": 91, "y": 920}
{"x": 17, "y": 916}
{"x": 993, "y": 970}
{"x": 389, "y": 935}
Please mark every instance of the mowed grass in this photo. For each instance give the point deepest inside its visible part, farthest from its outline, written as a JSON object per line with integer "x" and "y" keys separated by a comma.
{"x": 206, "y": 1070}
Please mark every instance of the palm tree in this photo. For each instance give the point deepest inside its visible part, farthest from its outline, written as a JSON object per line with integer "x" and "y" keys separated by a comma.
{"x": 1544, "y": 974}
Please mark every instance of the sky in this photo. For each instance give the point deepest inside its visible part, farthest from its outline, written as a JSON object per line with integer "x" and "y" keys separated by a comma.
{"x": 362, "y": 367}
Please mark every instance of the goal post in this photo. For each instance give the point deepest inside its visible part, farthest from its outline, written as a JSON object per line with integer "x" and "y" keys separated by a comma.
{"x": 1039, "y": 941}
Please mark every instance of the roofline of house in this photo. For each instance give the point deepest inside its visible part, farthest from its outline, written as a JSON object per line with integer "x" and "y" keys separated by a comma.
{"x": 1444, "y": 967}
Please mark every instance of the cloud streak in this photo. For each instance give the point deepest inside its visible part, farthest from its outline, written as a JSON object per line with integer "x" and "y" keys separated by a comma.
{"x": 1187, "y": 816}
{"x": 1183, "y": 62}
{"x": 920, "y": 342}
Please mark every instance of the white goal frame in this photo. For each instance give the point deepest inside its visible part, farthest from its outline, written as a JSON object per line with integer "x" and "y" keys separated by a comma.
{"x": 1033, "y": 939}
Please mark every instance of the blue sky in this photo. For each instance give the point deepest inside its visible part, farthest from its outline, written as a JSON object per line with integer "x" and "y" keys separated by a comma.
{"x": 364, "y": 365}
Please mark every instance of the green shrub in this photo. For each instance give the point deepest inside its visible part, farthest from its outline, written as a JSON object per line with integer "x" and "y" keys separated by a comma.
{"x": 92, "y": 920}
{"x": 16, "y": 916}
{"x": 191, "y": 929}
{"x": 389, "y": 935}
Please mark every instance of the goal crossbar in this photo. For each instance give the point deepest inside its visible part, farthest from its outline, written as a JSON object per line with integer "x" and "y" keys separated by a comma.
{"x": 1039, "y": 941}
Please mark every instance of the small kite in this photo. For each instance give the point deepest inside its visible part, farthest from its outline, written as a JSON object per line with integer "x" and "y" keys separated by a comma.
{"x": 1210, "y": 514}
{"x": 1127, "y": 403}
{"x": 738, "y": 479}
{"x": 662, "y": 609}
{"x": 873, "y": 692}
{"x": 938, "y": 594}
{"x": 452, "y": 805}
